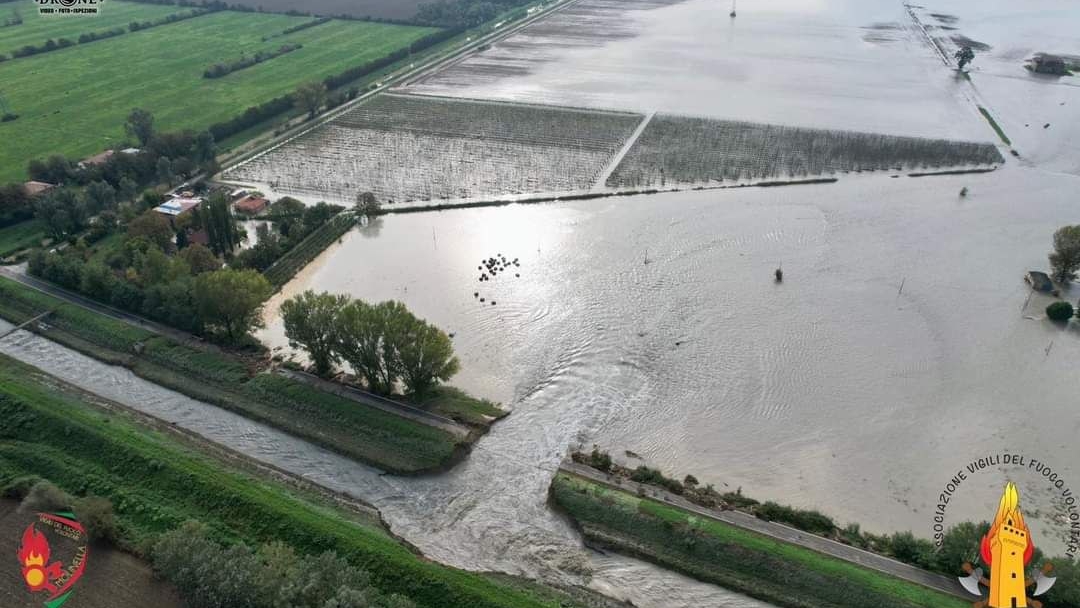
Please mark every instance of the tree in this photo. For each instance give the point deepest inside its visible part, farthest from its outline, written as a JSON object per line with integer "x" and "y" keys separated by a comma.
{"x": 361, "y": 333}
{"x": 140, "y": 125}
{"x": 96, "y": 514}
{"x": 231, "y": 300}
{"x": 128, "y": 189}
{"x": 310, "y": 96}
{"x": 15, "y": 204}
{"x": 63, "y": 211}
{"x": 153, "y": 227}
{"x": 217, "y": 218}
{"x": 963, "y": 57}
{"x": 100, "y": 195}
{"x": 425, "y": 354}
{"x": 1059, "y": 311}
{"x": 200, "y": 259}
{"x": 164, "y": 170}
{"x": 311, "y": 323}
{"x": 366, "y": 204}
{"x": 1065, "y": 259}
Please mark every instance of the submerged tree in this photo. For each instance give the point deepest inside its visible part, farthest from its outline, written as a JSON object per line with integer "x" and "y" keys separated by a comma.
{"x": 1065, "y": 259}
{"x": 311, "y": 323}
{"x": 963, "y": 57}
{"x": 425, "y": 355}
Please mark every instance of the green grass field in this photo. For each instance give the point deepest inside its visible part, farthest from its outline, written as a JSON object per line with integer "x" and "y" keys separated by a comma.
{"x": 20, "y": 236}
{"x": 777, "y": 572}
{"x": 36, "y": 29}
{"x": 157, "y": 481}
{"x": 74, "y": 101}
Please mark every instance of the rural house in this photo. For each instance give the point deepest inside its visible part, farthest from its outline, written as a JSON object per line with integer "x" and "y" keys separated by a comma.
{"x": 177, "y": 207}
{"x": 96, "y": 160}
{"x": 250, "y": 204}
{"x": 1050, "y": 64}
{"x": 34, "y": 188}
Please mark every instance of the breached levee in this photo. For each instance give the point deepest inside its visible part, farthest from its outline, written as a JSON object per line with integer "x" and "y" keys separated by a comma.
{"x": 415, "y": 148}
{"x": 678, "y": 150}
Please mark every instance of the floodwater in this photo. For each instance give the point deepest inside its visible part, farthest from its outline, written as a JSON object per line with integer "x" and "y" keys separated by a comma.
{"x": 897, "y": 349}
{"x": 838, "y": 64}
{"x": 528, "y": 540}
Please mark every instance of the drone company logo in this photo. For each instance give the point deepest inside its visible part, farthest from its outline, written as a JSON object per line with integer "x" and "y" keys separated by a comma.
{"x": 41, "y": 571}
{"x": 69, "y": 7}
{"x": 1007, "y": 549}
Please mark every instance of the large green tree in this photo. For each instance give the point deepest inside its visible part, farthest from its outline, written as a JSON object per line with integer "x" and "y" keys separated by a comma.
{"x": 140, "y": 125}
{"x": 311, "y": 323}
{"x": 221, "y": 228}
{"x": 231, "y": 301}
{"x": 363, "y": 344}
{"x": 425, "y": 355}
{"x": 310, "y": 96}
{"x": 1065, "y": 259}
{"x": 153, "y": 227}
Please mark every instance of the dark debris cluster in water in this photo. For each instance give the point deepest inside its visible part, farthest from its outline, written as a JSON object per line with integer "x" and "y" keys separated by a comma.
{"x": 491, "y": 267}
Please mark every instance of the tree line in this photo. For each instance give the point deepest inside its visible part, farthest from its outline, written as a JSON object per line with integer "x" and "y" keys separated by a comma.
{"x": 224, "y": 69}
{"x": 464, "y": 13}
{"x": 62, "y": 43}
{"x": 384, "y": 344}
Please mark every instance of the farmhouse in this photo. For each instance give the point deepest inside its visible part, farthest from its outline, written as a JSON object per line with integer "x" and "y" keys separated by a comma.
{"x": 96, "y": 160}
{"x": 1050, "y": 64}
{"x": 176, "y": 207}
{"x": 34, "y": 188}
{"x": 250, "y": 204}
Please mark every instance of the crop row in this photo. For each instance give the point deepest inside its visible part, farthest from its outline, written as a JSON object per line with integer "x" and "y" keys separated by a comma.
{"x": 405, "y": 148}
{"x": 682, "y": 150}
{"x": 307, "y": 250}
{"x": 512, "y": 123}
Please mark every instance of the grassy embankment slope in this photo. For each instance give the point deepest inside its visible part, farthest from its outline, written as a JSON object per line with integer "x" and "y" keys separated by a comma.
{"x": 777, "y": 572}
{"x": 74, "y": 101}
{"x": 157, "y": 481}
{"x": 366, "y": 434}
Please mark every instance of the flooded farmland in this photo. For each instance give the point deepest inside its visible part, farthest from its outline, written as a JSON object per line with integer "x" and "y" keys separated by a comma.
{"x": 902, "y": 344}
{"x": 897, "y": 349}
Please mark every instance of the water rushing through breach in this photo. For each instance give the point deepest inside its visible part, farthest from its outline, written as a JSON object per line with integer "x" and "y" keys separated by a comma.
{"x": 532, "y": 545}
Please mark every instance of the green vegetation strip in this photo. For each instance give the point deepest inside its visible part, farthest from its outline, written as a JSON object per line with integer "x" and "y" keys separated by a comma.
{"x": 995, "y": 125}
{"x": 292, "y": 262}
{"x": 156, "y": 482}
{"x": 37, "y": 28}
{"x": 770, "y": 570}
{"x": 384, "y": 440}
{"x": 20, "y": 236}
{"x": 168, "y": 78}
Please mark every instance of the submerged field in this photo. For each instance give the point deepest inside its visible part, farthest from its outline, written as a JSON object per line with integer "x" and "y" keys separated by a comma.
{"x": 74, "y": 101}
{"x": 406, "y": 148}
{"x": 681, "y": 150}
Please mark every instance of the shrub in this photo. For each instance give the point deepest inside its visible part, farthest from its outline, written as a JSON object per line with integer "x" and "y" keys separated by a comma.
{"x": 44, "y": 496}
{"x": 96, "y": 515}
{"x": 19, "y": 487}
{"x": 600, "y": 461}
{"x": 806, "y": 520}
{"x": 1059, "y": 311}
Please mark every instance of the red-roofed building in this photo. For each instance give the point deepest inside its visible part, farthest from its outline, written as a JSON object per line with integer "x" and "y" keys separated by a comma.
{"x": 251, "y": 205}
{"x": 97, "y": 159}
{"x": 33, "y": 188}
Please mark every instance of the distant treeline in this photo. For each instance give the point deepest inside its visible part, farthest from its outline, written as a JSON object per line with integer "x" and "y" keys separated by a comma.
{"x": 279, "y": 105}
{"x": 62, "y": 43}
{"x": 223, "y": 69}
{"x": 464, "y": 13}
{"x": 292, "y": 12}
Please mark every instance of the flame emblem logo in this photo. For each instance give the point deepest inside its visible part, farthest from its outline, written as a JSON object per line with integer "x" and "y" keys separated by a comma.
{"x": 42, "y": 573}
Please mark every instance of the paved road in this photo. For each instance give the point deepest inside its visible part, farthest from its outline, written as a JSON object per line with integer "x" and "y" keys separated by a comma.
{"x": 783, "y": 533}
{"x": 380, "y": 403}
